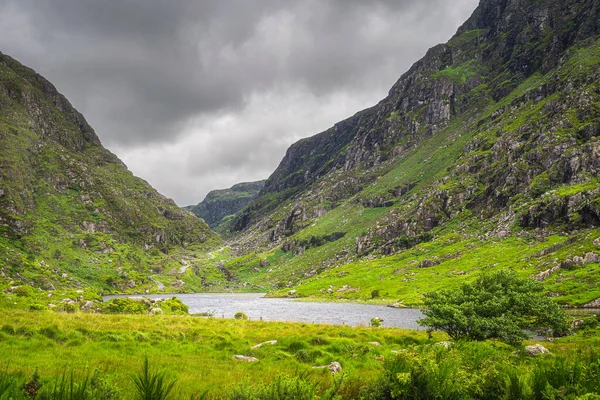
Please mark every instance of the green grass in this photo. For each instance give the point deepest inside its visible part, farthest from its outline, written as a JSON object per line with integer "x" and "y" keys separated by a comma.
{"x": 196, "y": 351}
{"x": 104, "y": 351}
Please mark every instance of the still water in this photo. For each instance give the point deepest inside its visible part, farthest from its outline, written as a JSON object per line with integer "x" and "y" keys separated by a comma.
{"x": 225, "y": 305}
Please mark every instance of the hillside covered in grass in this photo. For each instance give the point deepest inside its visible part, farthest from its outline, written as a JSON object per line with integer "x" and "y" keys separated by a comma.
{"x": 72, "y": 216}
{"x": 219, "y": 206}
{"x": 484, "y": 155}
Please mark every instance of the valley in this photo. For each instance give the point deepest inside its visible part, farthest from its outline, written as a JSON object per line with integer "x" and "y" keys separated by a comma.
{"x": 480, "y": 167}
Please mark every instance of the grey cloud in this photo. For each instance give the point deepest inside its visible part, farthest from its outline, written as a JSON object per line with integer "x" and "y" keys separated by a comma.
{"x": 142, "y": 71}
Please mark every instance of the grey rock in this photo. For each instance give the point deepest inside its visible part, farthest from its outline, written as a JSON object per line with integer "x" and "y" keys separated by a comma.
{"x": 536, "y": 349}
{"x": 239, "y": 357}
{"x": 271, "y": 342}
{"x": 591, "y": 258}
{"x": 177, "y": 283}
{"x": 593, "y": 304}
{"x": 87, "y": 306}
{"x": 335, "y": 367}
{"x": 427, "y": 264}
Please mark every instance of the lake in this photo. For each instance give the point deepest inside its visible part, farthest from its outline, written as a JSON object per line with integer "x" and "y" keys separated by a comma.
{"x": 256, "y": 306}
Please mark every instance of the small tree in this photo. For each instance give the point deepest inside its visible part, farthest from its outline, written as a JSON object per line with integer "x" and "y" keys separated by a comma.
{"x": 497, "y": 305}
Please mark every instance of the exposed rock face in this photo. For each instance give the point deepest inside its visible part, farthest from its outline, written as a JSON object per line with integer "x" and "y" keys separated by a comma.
{"x": 219, "y": 204}
{"x": 498, "y": 100}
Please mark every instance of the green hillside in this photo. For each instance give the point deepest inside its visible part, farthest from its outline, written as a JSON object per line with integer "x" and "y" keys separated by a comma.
{"x": 483, "y": 156}
{"x": 72, "y": 217}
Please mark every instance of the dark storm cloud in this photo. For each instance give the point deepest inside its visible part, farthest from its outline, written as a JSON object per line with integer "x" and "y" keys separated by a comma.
{"x": 161, "y": 72}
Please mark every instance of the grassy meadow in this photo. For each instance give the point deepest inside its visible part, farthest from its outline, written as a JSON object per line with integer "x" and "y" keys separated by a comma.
{"x": 198, "y": 353}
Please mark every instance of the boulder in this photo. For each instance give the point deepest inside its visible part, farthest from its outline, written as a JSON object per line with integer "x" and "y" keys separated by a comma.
{"x": 576, "y": 323}
{"x": 397, "y": 304}
{"x": 87, "y": 306}
{"x": 239, "y": 357}
{"x": 536, "y": 349}
{"x": 578, "y": 260}
{"x": 591, "y": 258}
{"x": 597, "y": 242}
{"x": 376, "y": 344}
{"x": 130, "y": 283}
{"x": 156, "y": 311}
{"x": 427, "y": 264}
{"x": 335, "y": 367}
{"x": 292, "y": 292}
{"x": 178, "y": 283}
{"x": 264, "y": 343}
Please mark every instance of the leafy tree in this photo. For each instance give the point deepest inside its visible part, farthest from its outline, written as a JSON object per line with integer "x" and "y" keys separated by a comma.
{"x": 498, "y": 305}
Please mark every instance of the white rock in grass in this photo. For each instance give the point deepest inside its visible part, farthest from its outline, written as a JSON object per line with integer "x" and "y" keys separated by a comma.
{"x": 264, "y": 343}
{"x": 536, "y": 349}
{"x": 335, "y": 367}
{"x": 244, "y": 358}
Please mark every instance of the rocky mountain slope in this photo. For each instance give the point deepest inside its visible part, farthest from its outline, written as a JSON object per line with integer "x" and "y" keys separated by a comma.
{"x": 71, "y": 214}
{"x": 485, "y": 154}
{"x": 220, "y": 204}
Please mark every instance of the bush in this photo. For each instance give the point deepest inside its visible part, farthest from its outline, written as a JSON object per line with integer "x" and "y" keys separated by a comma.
{"x": 375, "y": 294}
{"x": 6, "y": 328}
{"x": 174, "y": 306}
{"x": 240, "y": 315}
{"x": 125, "y": 306}
{"x": 376, "y": 322}
{"x": 478, "y": 370}
{"x": 499, "y": 305}
{"x": 37, "y": 307}
{"x": 24, "y": 291}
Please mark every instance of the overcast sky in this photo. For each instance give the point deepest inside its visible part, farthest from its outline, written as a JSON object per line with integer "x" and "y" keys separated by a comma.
{"x": 195, "y": 95}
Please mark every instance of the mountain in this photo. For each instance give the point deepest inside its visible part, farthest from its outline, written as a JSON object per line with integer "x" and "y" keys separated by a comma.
{"x": 72, "y": 215}
{"x": 484, "y": 155}
{"x": 218, "y": 205}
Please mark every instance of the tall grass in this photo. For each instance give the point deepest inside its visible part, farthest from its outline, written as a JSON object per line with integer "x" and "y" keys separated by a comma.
{"x": 67, "y": 387}
{"x": 151, "y": 385}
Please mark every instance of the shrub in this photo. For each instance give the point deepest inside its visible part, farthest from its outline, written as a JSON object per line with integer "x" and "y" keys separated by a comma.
{"x": 37, "y": 307}
{"x": 375, "y": 294}
{"x": 174, "y": 306}
{"x": 499, "y": 305}
{"x": 240, "y": 315}
{"x": 376, "y": 322}
{"x": 24, "y": 291}
{"x": 6, "y": 328}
